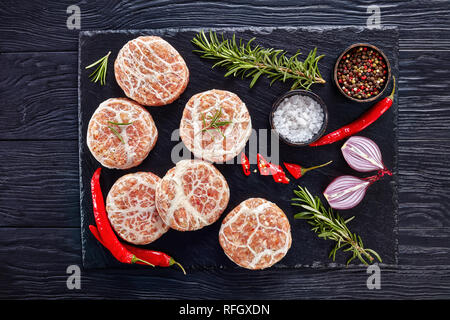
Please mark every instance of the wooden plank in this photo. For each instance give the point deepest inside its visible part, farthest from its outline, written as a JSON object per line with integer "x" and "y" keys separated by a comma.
{"x": 424, "y": 108}
{"x": 423, "y": 73}
{"x": 34, "y": 260}
{"x": 47, "y": 108}
{"x": 424, "y": 184}
{"x": 33, "y": 267}
{"x": 424, "y": 246}
{"x": 39, "y": 185}
{"x": 38, "y": 96}
{"x": 48, "y": 195}
{"x": 42, "y": 24}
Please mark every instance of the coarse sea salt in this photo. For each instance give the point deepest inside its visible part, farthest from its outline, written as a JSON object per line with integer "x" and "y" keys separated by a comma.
{"x": 298, "y": 118}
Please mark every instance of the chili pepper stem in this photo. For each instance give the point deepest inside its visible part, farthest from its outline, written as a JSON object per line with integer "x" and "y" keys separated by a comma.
{"x": 136, "y": 259}
{"x": 305, "y": 170}
{"x": 172, "y": 262}
{"x": 391, "y": 96}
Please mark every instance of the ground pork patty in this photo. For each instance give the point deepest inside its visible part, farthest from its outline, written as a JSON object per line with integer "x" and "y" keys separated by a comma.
{"x": 215, "y": 145}
{"x": 192, "y": 195}
{"x": 131, "y": 208}
{"x": 139, "y": 137}
{"x": 150, "y": 71}
{"x": 256, "y": 234}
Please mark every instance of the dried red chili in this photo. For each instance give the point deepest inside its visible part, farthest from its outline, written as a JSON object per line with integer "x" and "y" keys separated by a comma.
{"x": 360, "y": 124}
{"x": 298, "y": 171}
{"x": 106, "y": 235}
{"x": 245, "y": 164}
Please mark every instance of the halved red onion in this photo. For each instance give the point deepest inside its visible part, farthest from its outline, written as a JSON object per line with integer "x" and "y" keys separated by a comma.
{"x": 362, "y": 154}
{"x": 345, "y": 192}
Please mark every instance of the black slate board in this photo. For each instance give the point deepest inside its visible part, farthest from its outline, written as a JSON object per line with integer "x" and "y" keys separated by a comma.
{"x": 376, "y": 216}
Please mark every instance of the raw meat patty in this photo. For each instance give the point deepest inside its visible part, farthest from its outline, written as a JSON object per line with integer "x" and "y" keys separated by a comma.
{"x": 213, "y": 145}
{"x": 131, "y": 208}
{"x": 138, "y": 138}
{"x": 150, "y": 71}
{"x": 192, "y": 195}
{"x": 256, "y": 234}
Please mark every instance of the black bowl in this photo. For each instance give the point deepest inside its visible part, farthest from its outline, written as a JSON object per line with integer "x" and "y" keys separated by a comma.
{"x": 388, "y": 75}
{"x": 303, "y": 93}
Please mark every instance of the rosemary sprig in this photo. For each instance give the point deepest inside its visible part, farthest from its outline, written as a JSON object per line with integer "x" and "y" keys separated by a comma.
{"x": 254, "y": 61}
{"x": 116, "y": 133}
{"x": 330, "y": 225}
{"x": 100, "y": 72}
{"x": 215, "y": 124}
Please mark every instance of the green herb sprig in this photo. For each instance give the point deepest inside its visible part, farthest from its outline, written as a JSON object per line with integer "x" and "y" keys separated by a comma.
{"x": 99, "y": 73}
{"x": 330, "y": 225}
{"x": 215, "y": 124}
{"x": 243, "y": 59}
{"x": 116, "y": 133}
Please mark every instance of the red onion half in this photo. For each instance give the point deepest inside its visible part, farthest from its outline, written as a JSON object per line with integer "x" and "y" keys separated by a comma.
{"x": 362, "y": 154}
{"x": 346, "y": 192}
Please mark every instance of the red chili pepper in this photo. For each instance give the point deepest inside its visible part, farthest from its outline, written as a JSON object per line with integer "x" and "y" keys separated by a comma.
{"x": 245, "y": 164}
{"x": 360, "y": 124}
{"x": 101, "y": 219}
{"x": 105, "y": 231}
{"x": 266, "y": 169}
{"x": 263, "y": 166}
{"x": 298, "y": 171}
{"x": 158, "y": 258}
{"x": 279, "y": 176}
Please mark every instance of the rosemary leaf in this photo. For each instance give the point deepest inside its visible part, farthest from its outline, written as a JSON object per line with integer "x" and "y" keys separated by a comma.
{"x": 100, "y": 72}
{"x": 120, "y": 123}
{"x": 247, "y": 61}
{"x": 215, "y": 124}
{"x": 221, "y": 123}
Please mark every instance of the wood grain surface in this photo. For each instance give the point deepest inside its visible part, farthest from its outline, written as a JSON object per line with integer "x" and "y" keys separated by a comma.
{"x": 39, "y": 211}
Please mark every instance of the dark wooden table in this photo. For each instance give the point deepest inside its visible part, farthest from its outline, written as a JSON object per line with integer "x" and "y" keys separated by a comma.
{"x": 39, "y": 181}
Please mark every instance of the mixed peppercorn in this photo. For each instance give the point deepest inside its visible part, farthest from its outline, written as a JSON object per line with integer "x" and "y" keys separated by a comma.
{"x": 362, "y": 73}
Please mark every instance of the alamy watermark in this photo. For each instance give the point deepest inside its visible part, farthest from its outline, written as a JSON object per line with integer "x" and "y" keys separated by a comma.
{"x": 374, "y": 20}
{"x": 374, "y": 280}
{"x": 74, "y": 18}
{"x": 74, "y": 279}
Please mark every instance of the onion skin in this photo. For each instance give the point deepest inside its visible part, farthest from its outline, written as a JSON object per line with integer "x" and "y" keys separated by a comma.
{"x": 346, "y": 192}
{"x": 362, "y": 154}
